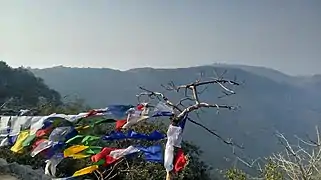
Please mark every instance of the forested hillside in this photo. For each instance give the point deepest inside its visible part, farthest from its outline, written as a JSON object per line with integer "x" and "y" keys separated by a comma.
{"x": 267, "y": 104}
{"x": 20, "y": 87}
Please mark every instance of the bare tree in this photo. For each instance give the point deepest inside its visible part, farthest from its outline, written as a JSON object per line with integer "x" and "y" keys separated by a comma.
{"x": 301, "y": 161}
{"x": 192, "y": 102}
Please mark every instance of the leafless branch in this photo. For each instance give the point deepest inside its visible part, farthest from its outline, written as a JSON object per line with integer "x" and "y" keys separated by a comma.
{"x": 96, "y": 173}
{"x": 219, "y": 76}
{"x": 111, "y": 171}
{"x": 202, "y": 105}
{"x": 193, "y": 87}
{"x": 180, "y": 103}
{"x": 152, "y": 94}
{"x": 298, "y": 162}
{"x": 229, "y": 142}
{"x": 254, "y": 164}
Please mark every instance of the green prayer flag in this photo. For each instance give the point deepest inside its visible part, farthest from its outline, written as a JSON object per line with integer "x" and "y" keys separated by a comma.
{"x": 28, "y": 140}
{"x": 74, "y": 138}
{"x": 93, "y": 150}
{"x": 100, "y": 162}
{"x": 88, "y": 139}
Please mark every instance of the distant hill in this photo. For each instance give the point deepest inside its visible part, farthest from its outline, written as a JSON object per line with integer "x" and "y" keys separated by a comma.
{"x": 23, "y": 88}
{"x": 273, "y": 74}
{"x": 269, "y": 100}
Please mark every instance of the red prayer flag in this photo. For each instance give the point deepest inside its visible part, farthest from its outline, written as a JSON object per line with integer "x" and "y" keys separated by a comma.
{"x": 94, "y": 112}
{"x": 91, "y": 113}
{"x": 102, "y": 154}
{"x": 43, "y": 132}
{"x": 109, "y": 160}
{"x": 140, "y": 107}
{"x": 120, "y": 124}
{"x": 36, "y": 143}
{"x": 180, "y": 161}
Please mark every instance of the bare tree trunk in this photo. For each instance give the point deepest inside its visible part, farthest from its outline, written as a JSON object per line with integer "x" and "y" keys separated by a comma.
{"x": 169, "y": 176}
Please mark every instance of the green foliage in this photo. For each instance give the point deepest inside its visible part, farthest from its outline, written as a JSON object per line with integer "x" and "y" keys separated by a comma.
{"x": 272, "y": 172}
{"x": 235, "y": 174}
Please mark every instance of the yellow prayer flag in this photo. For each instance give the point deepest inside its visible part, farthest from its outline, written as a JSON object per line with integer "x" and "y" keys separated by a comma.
{"x": 86, "y": 170}
{"x": 17, "y": 147}
{"x": 79, "y": 156}
{"x": 74, "y": 150}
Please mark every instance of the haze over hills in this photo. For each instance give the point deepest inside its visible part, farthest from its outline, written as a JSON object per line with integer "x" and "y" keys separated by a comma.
{"x": 269, "y": 100}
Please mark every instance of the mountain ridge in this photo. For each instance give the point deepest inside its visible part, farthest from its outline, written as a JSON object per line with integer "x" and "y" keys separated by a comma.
{"x": 271, "y": 73}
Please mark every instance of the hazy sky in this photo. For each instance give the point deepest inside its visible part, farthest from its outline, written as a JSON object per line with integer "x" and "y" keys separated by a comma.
{"x": 123, "y": 34}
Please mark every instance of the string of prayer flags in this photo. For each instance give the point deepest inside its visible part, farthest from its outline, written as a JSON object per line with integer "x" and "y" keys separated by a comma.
{"x": 59, "y": 136}
{"x": 41, "y": 123}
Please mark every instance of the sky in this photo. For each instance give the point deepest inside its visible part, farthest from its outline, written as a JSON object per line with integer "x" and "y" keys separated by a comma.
{"x": 124, "y": 34}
